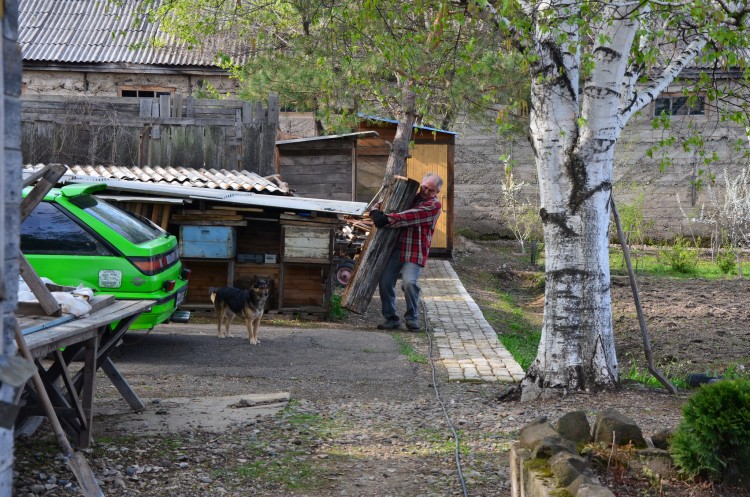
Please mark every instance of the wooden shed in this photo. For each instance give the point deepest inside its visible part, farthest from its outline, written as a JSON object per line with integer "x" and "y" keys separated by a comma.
{"x": 227, "y": 236}
{"x": 321, "y": 166}
{"x": 433, "y": 151}
{"x": 288, "y": 240}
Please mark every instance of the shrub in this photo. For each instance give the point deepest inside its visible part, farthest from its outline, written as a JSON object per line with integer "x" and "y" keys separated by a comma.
{"x": 713, "y": 439}
{"x": 337, "y": 312}
{"x": 681, "y": 257}
{"x": 727, "y": 261}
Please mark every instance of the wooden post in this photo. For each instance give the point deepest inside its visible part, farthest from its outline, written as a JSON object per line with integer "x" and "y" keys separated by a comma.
{"x": 637, "y": 300}
{"x": 377, "y": 249}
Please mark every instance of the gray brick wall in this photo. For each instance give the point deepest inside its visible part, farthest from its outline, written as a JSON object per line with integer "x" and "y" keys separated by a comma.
{"x": 479, "y": 173}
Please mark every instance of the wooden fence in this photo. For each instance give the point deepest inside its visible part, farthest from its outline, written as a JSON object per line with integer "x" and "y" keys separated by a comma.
{"x": 163, "y": 131}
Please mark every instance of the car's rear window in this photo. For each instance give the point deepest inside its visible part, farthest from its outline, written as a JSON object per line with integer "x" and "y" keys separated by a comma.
{"x": 48, "y": 230}
{"x": 132, "y": 229}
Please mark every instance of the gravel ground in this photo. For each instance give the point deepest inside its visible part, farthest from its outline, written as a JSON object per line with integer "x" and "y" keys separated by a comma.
{"x": 364, "y": 418}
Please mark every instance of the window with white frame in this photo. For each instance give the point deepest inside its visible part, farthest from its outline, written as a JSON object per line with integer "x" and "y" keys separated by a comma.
{"x": 680, "y": 105}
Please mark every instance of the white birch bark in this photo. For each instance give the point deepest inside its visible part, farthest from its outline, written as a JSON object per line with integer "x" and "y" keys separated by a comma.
{"x": 573, "y": 140}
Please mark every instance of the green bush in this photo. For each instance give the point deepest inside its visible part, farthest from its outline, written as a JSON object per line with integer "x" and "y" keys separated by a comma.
{"x": 727, "y": 261}
{"x": 713, "y": 439}
{"x": 682, "y": 256}
{"x": 336, "y": 312}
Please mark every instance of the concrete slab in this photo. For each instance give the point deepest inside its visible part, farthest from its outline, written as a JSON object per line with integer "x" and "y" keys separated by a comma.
{"x": 183, "y": 414}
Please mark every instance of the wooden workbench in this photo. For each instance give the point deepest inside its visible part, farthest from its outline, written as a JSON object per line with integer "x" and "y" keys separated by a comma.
{"x": 92, "y": 338}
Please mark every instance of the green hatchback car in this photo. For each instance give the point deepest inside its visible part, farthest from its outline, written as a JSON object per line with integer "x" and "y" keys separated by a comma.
{"x": 73, "y": 237}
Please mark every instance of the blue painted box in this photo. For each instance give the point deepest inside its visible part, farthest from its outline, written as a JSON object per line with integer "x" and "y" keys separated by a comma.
{"x": 208, "y": 242}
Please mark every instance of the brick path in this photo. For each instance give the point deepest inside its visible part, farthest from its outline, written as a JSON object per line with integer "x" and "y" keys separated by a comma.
{"x": 467, "y": 344}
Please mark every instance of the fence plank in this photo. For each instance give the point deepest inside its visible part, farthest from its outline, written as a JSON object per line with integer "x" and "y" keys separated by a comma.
{"x": 220, "y": 134}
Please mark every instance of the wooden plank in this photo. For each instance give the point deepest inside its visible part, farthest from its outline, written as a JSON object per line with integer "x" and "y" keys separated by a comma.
{"x": 165, "y": 106}
{"x": 122, "y": 385}
{"x": 46, "y": 182}
{"x": 302, "y": 242}
{"x": 165, "y": 217}
{"x": 27, "y": 308}
{"x": 284, "y": 218}
{"x": 72, "y": 393}
{"x": 144, "y": 105}
{"x": 306, "y": 260}
{"x": 45, "y": 341}
{"x": 378, "y": 247}
{"x": 217, "y": 222}
{"x": 46, "y": 300}
{"x": 87, "y": 391}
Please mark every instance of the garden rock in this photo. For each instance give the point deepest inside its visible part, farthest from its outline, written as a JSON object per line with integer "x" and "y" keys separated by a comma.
{"x": 574, "y": 426}
{"x": 658, "y": 461}
{"x": 593, "y": 490}
{"x": 567, "y": 467}
{"x": 533, "y": 433}
{"x": 660, "y": 439}
{"x": 625, "y": 429}
{"x": 549, "y": 446}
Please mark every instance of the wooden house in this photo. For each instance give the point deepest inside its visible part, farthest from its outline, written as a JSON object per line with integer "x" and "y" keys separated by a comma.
{"x": 433, "y": 151}
{"x": 238, "y": 227}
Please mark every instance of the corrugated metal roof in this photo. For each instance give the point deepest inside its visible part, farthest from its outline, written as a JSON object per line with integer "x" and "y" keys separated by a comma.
{"x": 358, "y": 134}
{"x": 100, "y": 31}
{"x": 227, "y": 197}
{"x": 394, "y": 121}
{"x": 241, "y": 181}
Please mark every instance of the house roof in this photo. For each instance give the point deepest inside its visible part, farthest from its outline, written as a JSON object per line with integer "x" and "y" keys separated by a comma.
{"x": 393, "y": 121}
{"x": 358, "y": 134}
{"x": 98, "y": 31}
{"x": 240, "y": 181}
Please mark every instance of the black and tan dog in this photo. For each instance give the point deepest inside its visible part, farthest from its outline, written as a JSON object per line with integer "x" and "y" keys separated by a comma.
{"x": 229, "y": 302}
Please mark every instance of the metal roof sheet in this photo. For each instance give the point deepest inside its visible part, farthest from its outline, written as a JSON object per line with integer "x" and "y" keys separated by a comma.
{"x": 98, "y": 31}
{"x": 228, "y": 197}
{"x": 358, "y": 134}
{"x": 180, "y": 176}
{"x": 394, "y": 121}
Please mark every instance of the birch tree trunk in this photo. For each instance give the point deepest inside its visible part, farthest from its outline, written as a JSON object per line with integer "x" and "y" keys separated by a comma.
{"x": 574, "y": 135}
{"x": 574, "y": 160}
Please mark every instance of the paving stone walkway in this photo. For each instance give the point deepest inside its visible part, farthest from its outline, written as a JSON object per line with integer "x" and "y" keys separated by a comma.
{"x": 467, "y": 344}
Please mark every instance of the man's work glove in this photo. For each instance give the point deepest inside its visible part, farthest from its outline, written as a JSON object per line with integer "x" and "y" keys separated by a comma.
{"x": 379, "y": 218}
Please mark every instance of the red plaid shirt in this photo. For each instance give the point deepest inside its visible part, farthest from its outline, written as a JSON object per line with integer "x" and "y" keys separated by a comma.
{"x": 419, "y": 222}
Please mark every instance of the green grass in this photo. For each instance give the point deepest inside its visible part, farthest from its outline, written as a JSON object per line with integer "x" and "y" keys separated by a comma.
{"x": 651, "y": 264}
{"x": 516, "y": 331}
{"x": 407, "y": 349}
{"x": 436, "y": 441}
{"x": 637, "y": 374}
{"x": 288, "y": 466}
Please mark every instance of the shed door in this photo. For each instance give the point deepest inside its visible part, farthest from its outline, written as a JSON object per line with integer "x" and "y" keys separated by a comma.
{"x": 432, "y": 159}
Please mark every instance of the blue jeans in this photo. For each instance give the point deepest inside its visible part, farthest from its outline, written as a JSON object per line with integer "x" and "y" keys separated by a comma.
{"x": 409, "y": 276}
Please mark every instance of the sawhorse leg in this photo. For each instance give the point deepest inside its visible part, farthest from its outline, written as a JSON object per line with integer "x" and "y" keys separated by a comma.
{"x": 122, "y": 385}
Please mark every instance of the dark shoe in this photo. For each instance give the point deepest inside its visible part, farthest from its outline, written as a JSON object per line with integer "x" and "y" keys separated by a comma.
{"x": 413, "y": 325}
{"x": 390, "y": 324}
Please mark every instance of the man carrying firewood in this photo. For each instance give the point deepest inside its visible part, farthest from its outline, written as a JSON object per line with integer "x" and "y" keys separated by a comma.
{"x": 409, "y": 255}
